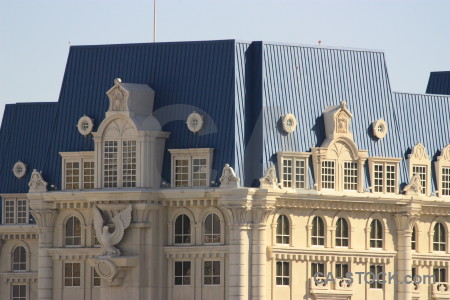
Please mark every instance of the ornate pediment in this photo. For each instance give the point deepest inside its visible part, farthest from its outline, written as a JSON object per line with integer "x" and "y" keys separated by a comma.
{"x": 419, "y": 152}
{"x": 37, "y": 184}
{"x": 337, "y": 122}
{"x": 445, "y": 154}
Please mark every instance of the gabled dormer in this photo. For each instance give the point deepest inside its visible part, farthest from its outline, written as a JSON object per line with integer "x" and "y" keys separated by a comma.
{"x": 338, "y": 163}
{"x": 129, "y": 143}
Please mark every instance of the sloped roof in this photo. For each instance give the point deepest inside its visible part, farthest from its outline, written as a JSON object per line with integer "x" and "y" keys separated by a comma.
{"x": 439, "y": 83}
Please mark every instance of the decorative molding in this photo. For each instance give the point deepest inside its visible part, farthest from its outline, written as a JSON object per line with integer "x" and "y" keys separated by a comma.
{"x": 37, "y": 184}
{"x": 379, "y": 128}
{"x": 19, "y": 169}
{"x": 289, "y": 123}
{"x": 44, "y": 217}
{"x": 194, "y": 122}
{"x": 261, "y": 214}
{"x": 229, "y": 178}
{"x": 237, "y": 214}
{"x": 19, "y": 277}
{"x": 419, "y": 157}
{"x": 190, "y": 252}
{"x": 414, "y": 188}
{"x": 85, "y": 125}
{"x": 269, "y": 180}
{"x": 113, "y": 269}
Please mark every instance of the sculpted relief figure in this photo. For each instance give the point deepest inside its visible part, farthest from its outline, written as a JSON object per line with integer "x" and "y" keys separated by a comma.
{"x": 107, "y": 240}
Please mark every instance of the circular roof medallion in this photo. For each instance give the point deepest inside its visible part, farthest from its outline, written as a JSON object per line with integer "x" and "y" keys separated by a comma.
{"x": 379, "y": 128}
{"x": 289, "y": 123}
{"x": 194, "y": 122}
{"x": 85, "y": 125}
{"x": 19, "y": 169}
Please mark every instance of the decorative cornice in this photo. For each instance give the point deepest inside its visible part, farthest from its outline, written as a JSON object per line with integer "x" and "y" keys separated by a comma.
{"x": 181, "y": 252}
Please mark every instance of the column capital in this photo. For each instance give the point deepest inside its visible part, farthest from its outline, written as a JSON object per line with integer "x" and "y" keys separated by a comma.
{"x": 260, "y": 214}
{"x": 405, "y": 221}
{"x": 44, "y": 217}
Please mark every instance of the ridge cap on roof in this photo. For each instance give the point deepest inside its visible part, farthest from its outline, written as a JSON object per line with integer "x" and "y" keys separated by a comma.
{"x": 422, "y": 94}
{"x": 157, "y": 43}
{"x": 437, "y": 72}
{"x": 323, "y": 47}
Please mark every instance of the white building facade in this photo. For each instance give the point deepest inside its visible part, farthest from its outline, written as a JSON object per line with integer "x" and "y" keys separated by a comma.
{"x": 197, "y": 231}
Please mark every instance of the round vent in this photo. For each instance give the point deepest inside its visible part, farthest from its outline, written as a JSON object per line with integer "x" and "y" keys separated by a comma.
{"x": 289, "y": 123}
{"x": 85, "y": 125}
{"x": 379, "y": 129}
{"x": 194, "y": 122}
{"x": 19, "y": 169}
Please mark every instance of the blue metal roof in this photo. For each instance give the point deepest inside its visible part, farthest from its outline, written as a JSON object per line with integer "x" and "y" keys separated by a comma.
{"x": 243, "y": 87}
{"x": 439, "y": 83}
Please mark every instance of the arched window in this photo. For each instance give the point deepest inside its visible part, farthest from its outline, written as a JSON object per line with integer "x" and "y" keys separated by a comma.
{"x": 318, "y": 232}
{"x": 19, "y": 259}
{"x": 439, "y": 237}
{"x": 212, "y": 229}
{"x": 182, "y": 230}
{"x": 376, "y": 234}
{"x": 341, "y": 233}
{"x": 413, "y": 238}
{"x": 73, "y": 232}
{"x": 282, "y": 230}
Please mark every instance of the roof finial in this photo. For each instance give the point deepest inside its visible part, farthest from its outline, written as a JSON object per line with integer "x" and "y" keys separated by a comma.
{"x": 343, "y": 104}
{"x": 117, "y": 80}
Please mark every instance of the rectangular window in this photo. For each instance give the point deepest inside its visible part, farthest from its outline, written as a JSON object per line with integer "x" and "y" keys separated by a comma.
{"x": 88, "y": 175}
{"x": 445, "y": 182}
{"x": 328, "y": 174}
{"x": 440, "y": 274}
{"x": 282, "y": 274}
{"x": 15, "y": 211}
{"x": 72, "y": 176}
{"x": 287, "y": 173}
{"x": 22, "y": 216}
{"x": 317, "y": 268}
{"x": 211, "y": 273}
{"x": 376, "y": 279}
{"x": 72, "y": 274}
{"x": 341, "y": 270}
{"x": 9, "y": 211}
{"x": 350, "y": 176}
{"x": 182, "y": 273}
{"x": 129, "y": 163}
{"x": 390, "y": 178}
{"x": 422, "y": 172}
{"x": 294, "y": 169}
{"x": 199, "y": 172}
{"x": 378, "y": 178}
{"x": 96, "y": 280}
{"x": 110, "y": 164}
{"x": 19, "y": 292}
{"x": 181, "y": 173}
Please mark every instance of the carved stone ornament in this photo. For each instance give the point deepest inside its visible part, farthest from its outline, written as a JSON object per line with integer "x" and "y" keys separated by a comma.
{"x": 19, "y": 169}
{"x": 289, "y": 123}
{"x": 194, "y": 122}
{"x": 419, "y": 152}
{"x": 117, "y": 97}
{"x": 269, "y": 180}
{"x": 37, "y": 183}
{"x": 445, "y": 153}
{"x": 85, "y": 125}
{"x": 106, "y": 269}
{"x": 379, "y": 128}
{"x": 107, "y": 240}
{"x": 229, "y": 178}
{"x": 414, "y": 187}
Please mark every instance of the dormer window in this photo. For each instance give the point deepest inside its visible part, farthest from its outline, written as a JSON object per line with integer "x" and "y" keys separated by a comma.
{"x": 383, "y": 174}
{"x": 191, "y": 167}
{"x": 420, "y": 164}
{"x": 338, "y": 164}
{"x": 78, "y": 170}
{"x": 293, "y": 169}
{"x": 442, "y": 167}
{"x": 119, "y": 161}
{"x": 15, "y": 211}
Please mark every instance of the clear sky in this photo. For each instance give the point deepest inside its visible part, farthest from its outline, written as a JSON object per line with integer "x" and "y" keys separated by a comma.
{"x": 35, "y": 34}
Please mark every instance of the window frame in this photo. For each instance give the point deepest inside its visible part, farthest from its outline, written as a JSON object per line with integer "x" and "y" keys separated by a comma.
{"x": 182, "y": 235}
{"x": 342, "y": 238}
{"x": 385, "y": 162}
{"x": 182, "y": 276}
{"x": 19, "y": 297}
{"x": 24, "y": 264}
{"x": 283, "y": 235}
{"x": 190, "y": 154}
{"x": 220, "y": 234}
{"x": 420, "y": 158}
{"x": 439, "y": 242}
{"x": 376, "y": 239}
{"x": 316, "y": 238}
{"x": 317, "y": 266}
{"x": 293, "y": 157}
{"x": 80, "y": 158}
{"x": 66, "y": 237}
{"x": 285, "y": 280}
{"x": 441, "y": 272}
{"x": 377, "y": 269}
{"x": 72, "y": 277}
{"x": 120, "y": 162}
{"x": 14, "y": 199}
{"x": 212, "y": 276}
{"x": 95, "y": 276}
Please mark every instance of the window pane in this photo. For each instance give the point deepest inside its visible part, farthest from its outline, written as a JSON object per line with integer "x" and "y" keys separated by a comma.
{"x": 199, "y": 172}
{"x": 212, "y": 229}
{"x": 422, "y": 172}
{"x": 350, "y": 176}
{"x": 72, "y": 175}
{"x": 88, "y": 175}
{"x": 181, "y": 173}
{"x": 182, "y": 230}
{"x": 129, "y": 163}
{"x": 110, "y": 164}
{"x": 73, "y": 232}
{"x": 328, "y": 174}
{"x": 318, "y": 230}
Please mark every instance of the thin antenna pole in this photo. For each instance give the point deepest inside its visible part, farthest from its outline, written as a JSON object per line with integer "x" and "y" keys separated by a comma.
{"x": 154, "y": 21}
